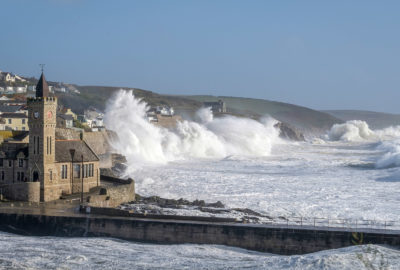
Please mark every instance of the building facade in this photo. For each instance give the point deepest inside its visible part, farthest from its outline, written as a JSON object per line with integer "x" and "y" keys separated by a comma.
{"x": 216, "y": 107}
{"x": 57, "y": 167}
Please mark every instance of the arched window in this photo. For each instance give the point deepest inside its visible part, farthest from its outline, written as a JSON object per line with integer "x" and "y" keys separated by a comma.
{"x": 35, "y": 176}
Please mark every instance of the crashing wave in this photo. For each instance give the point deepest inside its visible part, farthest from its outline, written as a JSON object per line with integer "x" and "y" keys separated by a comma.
{"x": 357, "y": 130}
{"x": 354, "y": 130}
{"x": 143, "y": 142}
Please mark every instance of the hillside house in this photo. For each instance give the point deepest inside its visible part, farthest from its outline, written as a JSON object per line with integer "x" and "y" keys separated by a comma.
{"x": 15, "y": 121}
{"x": 65, "y": 121}
{"x": 7, "y": 77}
{"x": 216, "y": 107}
{"x": 68, "y": 111}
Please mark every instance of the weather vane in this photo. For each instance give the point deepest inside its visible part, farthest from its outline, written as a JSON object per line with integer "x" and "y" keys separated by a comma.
{"x": 42, "y": 67}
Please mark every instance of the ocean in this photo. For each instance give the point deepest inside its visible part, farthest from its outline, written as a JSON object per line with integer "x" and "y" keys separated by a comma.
{"x": 351, "y": 173}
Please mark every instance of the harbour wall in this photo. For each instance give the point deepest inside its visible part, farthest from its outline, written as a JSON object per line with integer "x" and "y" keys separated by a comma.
{"x": 272, "y": 239}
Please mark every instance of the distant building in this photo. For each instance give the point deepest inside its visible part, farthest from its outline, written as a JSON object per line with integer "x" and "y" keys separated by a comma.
{"x": 31, "y": 88}
{"x": 10, "y": 109}
{"x": 68, "y": 111}
{"x": 20, "y": 78}
{"x": 60, "y": 89}
{"x": 165, "y": 110}
{"x": 216, "y": 107}
{"x": 8, "y": 77}
{"x": 15, "y": 121}
{"x": 20, "y": 89}
{"x": 65, "y": 121}
{"x": 94, "y": 119}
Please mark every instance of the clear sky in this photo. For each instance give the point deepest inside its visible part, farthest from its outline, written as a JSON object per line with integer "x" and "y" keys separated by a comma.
{"x": 320, "y": 54}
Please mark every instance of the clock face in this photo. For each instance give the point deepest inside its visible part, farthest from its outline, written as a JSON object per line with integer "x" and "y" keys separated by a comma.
{"x": 36, "y": 115}
{"x": 49, "y": 115}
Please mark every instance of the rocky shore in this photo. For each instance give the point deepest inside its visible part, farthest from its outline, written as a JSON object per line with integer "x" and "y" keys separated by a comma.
{"x": 161, "y": 206}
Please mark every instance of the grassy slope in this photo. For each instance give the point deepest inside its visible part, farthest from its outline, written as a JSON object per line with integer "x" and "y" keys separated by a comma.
{"x": 301, "y": 117}
{"x": 97, "y": 96}
{"x": 376, "y": 120}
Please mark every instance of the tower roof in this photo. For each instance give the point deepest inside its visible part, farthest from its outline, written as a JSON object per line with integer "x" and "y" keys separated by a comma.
{"x": 42, "y": 88}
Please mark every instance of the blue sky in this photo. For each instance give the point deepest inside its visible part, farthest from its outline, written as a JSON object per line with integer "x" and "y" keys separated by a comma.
{"x": 320, "y": 54}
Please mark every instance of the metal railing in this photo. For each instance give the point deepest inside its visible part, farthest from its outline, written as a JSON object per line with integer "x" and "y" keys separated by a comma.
{"x": 335, "y": 223}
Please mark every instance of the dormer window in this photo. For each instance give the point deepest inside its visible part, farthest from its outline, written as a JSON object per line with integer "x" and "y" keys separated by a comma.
{"x": 20, "y": 162}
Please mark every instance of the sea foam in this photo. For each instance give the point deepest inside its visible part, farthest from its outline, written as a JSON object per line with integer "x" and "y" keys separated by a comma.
{"x": 205, "y": 137}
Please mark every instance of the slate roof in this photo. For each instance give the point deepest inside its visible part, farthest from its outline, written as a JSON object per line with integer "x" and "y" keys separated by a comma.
{"x": 66, "y": 116}
{"x": 81, "y": 148}
{"x": 14, "y": 151}
{"x": 21, "y": 136}
{"x": 13, "y": 115}
{"x": 6, "y": 109}
{"x": 42, "y": 88}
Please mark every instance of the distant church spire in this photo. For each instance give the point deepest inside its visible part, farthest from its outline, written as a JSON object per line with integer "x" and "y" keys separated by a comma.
{"x": 42, "y": 88}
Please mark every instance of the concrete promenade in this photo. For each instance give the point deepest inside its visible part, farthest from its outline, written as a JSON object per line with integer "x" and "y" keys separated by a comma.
{"x": 62, "y": 219}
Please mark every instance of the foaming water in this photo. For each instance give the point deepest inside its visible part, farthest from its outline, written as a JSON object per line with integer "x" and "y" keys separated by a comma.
{"x": 387, "y": 141}
{"x": 242, "y": 163}
{"x": 351, "y": 173}
{"x": 357, "y": 131}
{"x": 23, "y": 252}
{"x": 142, "y": 142}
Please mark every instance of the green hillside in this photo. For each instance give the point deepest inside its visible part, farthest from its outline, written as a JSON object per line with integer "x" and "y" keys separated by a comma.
{"x": 97, "y": 96}
{"x": 305, "y": 119}
{"x": 301, "y": 117}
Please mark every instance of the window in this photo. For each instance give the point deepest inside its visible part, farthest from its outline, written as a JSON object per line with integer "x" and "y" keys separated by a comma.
{"x": 10, "y": 163}
{"x": 9, "y": 120}
{"x": 91, "y": 169}
{"x": 23, "y": 120}
{"x": 22, "y": 176}
{"x": 87, "y": 170}
{"x": 34, "y": 144}
{"x": 18, "y": 176}
{"x": 20, "y": 162}
{"x": 77, "y": 170}
{"x": 23, "y": 128}
{"x": 1, "y": 162}
{"x": 64, "y": 171}
{"x": 37, "y": 145}
{"x": 51, "y": 175}
{"x": 2, "y": 175}
{"x": 47, "y": 149}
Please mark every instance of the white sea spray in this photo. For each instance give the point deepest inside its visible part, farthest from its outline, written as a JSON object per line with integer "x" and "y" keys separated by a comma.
{"x": 142, "y": 142}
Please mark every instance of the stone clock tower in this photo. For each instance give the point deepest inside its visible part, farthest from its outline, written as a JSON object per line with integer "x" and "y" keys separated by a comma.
{"x": 42, "y": 125}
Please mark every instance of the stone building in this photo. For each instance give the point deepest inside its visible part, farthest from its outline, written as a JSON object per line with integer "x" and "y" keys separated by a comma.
{"x": 216, "y": 107}
{"x": 65, "y": 121}
{"x": 46, "y": 168}
{"x": 15, "y": 121}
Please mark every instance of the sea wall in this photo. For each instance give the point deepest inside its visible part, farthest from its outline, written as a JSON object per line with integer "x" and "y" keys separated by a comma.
{"x": 118, "y": 192}
{"x": 277, "y": 240}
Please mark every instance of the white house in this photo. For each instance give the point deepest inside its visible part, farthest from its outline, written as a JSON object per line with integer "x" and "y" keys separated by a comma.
{"x": 32, "y": 88}
{"x": 20, "y": 89}
{"x": 8, "y": 77}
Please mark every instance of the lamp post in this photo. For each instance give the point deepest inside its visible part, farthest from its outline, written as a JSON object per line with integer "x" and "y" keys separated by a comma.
{"x": 72, "y": 153}
{"x": 83, "y": 171}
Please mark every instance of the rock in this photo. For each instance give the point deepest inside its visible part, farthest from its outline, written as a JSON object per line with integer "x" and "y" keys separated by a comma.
{"x": 289, "y": 133}
{"x": 216, "y": 205}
